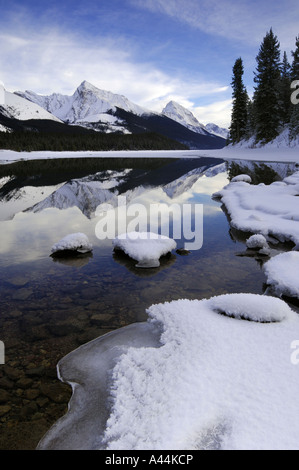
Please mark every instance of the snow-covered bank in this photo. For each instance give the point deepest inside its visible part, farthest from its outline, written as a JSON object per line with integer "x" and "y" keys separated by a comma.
{"x": 271, "y": 210}
{"x": 196, "y": 375}
{"x": 282, "y": 274}
{"x": 267, "y": 154}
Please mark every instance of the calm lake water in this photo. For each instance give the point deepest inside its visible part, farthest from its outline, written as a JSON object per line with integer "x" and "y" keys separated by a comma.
{"x": 48, "y": 307}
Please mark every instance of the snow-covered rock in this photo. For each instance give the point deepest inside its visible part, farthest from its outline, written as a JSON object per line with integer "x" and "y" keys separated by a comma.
{"x": 74, "y": 242}
{"x": 144, "y": 247}
{"x": 194, "y": 376}
{"x": 282, "y": 274}
{"x": 242, "y": 177}
{"x": 257, "y": 241}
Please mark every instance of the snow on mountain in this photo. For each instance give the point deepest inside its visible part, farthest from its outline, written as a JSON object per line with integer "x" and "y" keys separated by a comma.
{"x": 88, "y": 104}
{"x": 17, "y": 107}
{"x": 183, "y": 116}
{"x": 105, "y": 111}
{"x": 214, "y": 129}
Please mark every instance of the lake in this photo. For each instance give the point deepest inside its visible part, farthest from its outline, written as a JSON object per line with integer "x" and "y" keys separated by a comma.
{"x": 50, "y": 306}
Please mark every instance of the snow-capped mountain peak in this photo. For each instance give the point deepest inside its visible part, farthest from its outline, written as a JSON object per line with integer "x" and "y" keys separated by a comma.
{"x": 93, "y": 108}
{"x": 183, "y": 116}
{"x": 87, "y": 104}
{"x": 214, "y": 129}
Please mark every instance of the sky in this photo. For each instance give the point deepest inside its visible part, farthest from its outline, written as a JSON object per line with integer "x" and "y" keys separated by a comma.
{"x": 151, "y": 51}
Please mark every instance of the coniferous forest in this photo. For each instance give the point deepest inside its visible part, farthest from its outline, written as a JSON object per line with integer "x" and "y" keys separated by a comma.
{"x": 29, "y": 141}
{"x": 271, "y": 109}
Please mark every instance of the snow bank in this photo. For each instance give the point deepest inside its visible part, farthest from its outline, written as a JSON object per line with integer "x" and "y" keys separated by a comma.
{"x": 77, "y": 242}
{"x": 188, "y": 378}
{"x": 282, "y": 273}
{"x": 274, "y": 154}
{"x": 144, "y": 247}
{"x": 215, "y": 382}
{"x": 270, "y": 210}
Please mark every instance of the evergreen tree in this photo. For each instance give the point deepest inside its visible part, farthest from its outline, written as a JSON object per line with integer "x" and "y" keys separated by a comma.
{"x": 251, "y": 119}
{"x": 294, "y": 112}
{"x": 295, "y": 63}
{"x": 294, "y": 123}
{"x": 285, "y": 85}
{"x": 266, "y": 96}
{"x": 240, "y": 98}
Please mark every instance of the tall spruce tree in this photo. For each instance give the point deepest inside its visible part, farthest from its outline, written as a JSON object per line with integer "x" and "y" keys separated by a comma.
{"x": 294, "y": 113}
{"x": 295, "y": 63}
{"x": 239, "y": 110}
{"x": 267, "y": 92}
{"x": 285, "y": 85}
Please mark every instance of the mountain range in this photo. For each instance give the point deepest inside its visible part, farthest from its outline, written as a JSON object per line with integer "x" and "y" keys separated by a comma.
{"x": 103, "y": 111}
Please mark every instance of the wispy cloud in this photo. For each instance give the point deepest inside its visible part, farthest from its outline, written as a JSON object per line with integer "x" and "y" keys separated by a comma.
{"x": 218, "y": 112}
{"x": 50, "y": 60}
{"x": 244, "y": 20}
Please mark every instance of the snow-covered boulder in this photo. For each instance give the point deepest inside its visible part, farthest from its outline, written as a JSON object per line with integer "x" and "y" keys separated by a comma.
{"x": 245, "y": 178}
{"x": 72, "y": 243}
{"x": 256, "y": 241}
{"x": 282, "y": 272}
{"x": 144, "y": 247}
{"x": 259, "y": 243}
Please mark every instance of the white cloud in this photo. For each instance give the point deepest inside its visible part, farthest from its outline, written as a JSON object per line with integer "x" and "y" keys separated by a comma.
{"x": 48, "y": 60}
{"x": 244, "y": 20}
{"x": 218, "y": 112}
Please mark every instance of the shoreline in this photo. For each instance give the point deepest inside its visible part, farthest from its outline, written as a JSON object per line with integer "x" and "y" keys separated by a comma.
{"x": 265, "y": 154}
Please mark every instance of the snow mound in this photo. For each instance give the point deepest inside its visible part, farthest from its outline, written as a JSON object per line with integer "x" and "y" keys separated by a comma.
{"x": 144, "y": 247}
{"x": 256, "y": 241}
{"x": 245, "y": 178}
{"x": 188, "y": 378}
{"x": 250, "y": 307}
{"x": 282, "y": 273}
{"x": 75, "y": 242}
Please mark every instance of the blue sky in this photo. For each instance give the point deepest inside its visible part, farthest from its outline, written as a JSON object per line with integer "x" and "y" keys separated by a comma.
{"x": 151, "y": 51}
